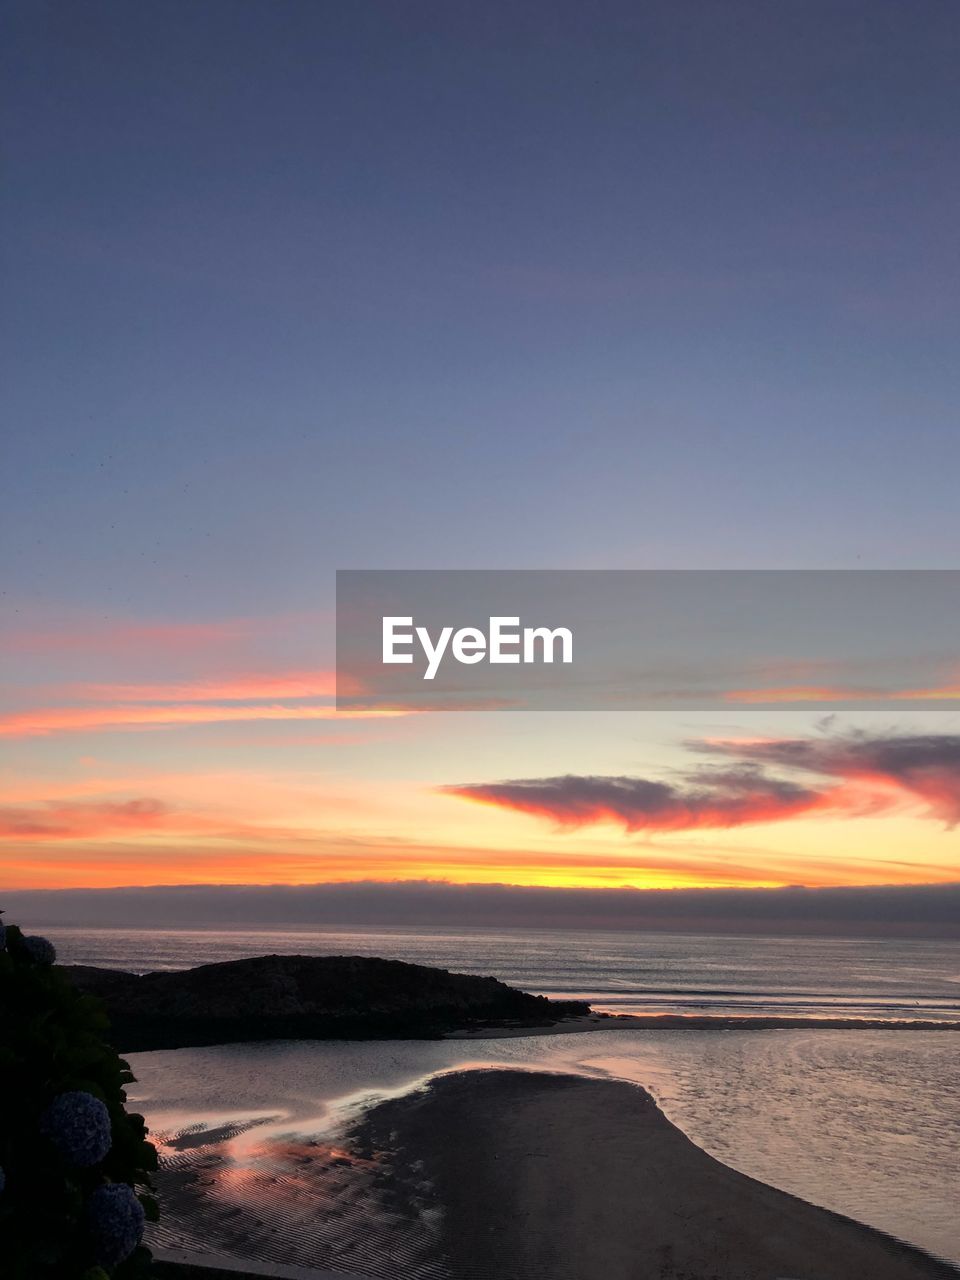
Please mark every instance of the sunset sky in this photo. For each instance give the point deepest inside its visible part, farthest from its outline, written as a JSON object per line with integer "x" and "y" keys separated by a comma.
{"x": 292, "y": 287}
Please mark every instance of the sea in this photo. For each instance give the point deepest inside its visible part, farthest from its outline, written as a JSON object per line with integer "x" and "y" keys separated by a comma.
{"x": 889, "y": 978}
{"x": 865, "y": 1122}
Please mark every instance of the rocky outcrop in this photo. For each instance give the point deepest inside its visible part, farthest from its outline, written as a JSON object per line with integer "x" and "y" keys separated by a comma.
{"x": 306, "y": 998}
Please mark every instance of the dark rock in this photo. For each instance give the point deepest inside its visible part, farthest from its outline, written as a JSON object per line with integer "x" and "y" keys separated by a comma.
{"x": 306, "y": 998}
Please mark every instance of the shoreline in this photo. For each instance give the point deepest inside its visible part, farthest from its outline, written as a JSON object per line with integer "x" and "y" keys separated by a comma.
{"x": 291, "y": 997}
{"x": 502, "y": 1173}
{"x": 694, "y": 1022}
{"x": 532, "y": 1173}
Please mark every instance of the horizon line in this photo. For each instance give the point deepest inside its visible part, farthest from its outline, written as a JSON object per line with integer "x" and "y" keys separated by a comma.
{"x": 429, "y": 882}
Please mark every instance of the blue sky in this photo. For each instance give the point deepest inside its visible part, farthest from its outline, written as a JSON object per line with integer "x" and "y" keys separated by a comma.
{"x": 293, "y": 286}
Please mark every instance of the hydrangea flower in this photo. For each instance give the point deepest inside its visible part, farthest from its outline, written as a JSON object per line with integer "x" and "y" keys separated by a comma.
{"x": 40, "y": 949}
{"x": 78, "y": 1125}
{"x": 115, "y": 1221}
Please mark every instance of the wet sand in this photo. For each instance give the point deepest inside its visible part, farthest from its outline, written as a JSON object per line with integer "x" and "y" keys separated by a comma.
{"x": 693, "y": 1022}
{"x": 529, "y": 1174}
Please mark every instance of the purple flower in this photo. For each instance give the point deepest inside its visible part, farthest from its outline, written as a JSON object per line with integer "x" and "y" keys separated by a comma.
{"x": 40, "y": 949}
{"x": 115, "y": 1221}
{"x": 78, "y": 1125}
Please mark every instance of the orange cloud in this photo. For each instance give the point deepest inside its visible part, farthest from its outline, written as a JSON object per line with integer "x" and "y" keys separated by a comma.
{"x": 63, "y": 820}
{"x": 889, "y": 770}
{"x": 641, "y": 804}
{"x": 241, "y": 688}
{"x": 27, "y": 724}
{"x": 858, "y": 775}
{"x": 278, "y": 856}
{"x": 119, "y": 637}
{"x": 943, "y": 693}
{"x": 841, "y": 693}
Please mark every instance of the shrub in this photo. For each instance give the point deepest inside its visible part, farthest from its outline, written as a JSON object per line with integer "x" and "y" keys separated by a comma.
{"x": 74, "y": 1164}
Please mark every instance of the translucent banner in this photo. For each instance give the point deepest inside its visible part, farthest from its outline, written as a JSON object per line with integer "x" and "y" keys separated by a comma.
{"x": 446, "y": 640}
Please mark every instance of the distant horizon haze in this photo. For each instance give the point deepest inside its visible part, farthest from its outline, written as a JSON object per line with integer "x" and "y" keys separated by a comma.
{"x": 896, "y": 911}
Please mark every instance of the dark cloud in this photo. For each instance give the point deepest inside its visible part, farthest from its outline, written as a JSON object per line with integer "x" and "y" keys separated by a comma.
{"x": 924, "y": 767}
{"x": 856, "y": 774}
{"x": 902, "y": 910}
{"x": 717, "y": 798}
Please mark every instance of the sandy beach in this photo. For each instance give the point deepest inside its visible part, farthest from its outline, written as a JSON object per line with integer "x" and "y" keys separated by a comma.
{"x": 534, "y": 1174}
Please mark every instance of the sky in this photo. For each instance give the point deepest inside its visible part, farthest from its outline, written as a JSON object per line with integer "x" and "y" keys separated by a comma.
{"x": 293, "y": 287}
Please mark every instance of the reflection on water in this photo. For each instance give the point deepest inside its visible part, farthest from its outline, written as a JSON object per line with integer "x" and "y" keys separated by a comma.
{"x": 866, "y": 1123}
{"x": 868, "y": 1126}
{"x": 282, "y": 1197}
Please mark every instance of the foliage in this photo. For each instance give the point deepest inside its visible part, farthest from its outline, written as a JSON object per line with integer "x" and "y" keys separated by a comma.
{"x": 74, "y": 1164}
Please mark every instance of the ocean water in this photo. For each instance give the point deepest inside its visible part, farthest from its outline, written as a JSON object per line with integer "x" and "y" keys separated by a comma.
{"x": 866, "y": 1123}
{"x": 620, "y": 972}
